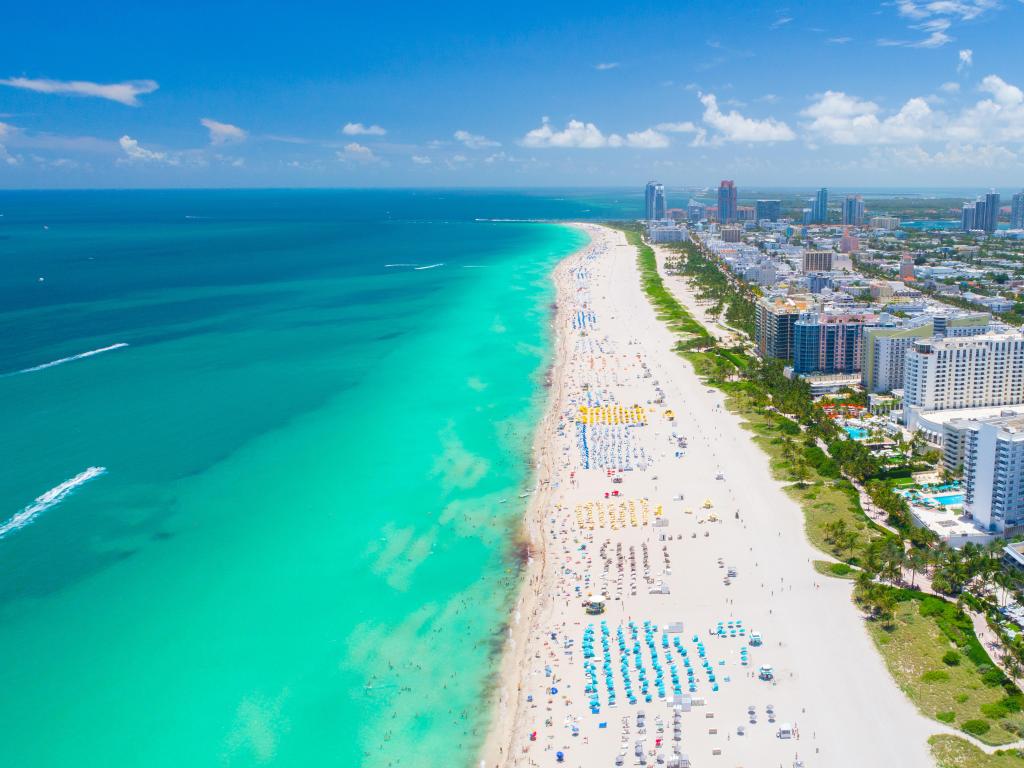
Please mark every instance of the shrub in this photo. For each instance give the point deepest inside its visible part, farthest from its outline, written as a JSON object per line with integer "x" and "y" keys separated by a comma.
{"x": 993, "y": 677}
{"x": 961, "y": 698}
{"x": 946, "y": 717}
{"x": 951, "y": 658}
{"x": 935, "y": 676}
{"x": 976, "y": 727}
{"x": 995, "y": 710}
{"x": 840, "y": 569}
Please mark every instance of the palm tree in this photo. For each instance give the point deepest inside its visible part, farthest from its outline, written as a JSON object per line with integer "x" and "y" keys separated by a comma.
{"x": 917, "y": 562}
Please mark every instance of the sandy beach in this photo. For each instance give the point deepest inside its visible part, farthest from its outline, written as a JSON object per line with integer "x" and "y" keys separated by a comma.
{"x": 651, "y": 494}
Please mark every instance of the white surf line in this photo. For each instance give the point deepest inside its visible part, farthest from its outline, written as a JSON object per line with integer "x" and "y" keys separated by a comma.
{"x": 49, "y": 499}
{"x": 399, "y": 265}
{"x": 430, "y": 266}
{"x": 63, "y": 360}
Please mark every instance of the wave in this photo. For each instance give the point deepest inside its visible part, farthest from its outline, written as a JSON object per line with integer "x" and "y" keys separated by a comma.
{"x": 49, "y": 499}
{"x": 63, "y": 360}
{"x": 430, "y": 266}
{"x": 399, "y": 265}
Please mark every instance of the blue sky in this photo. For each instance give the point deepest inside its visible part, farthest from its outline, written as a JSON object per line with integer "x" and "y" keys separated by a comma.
{"x": 905, "y": 93}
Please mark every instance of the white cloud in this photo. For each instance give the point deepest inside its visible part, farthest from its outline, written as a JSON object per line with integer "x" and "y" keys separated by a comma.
{"x": 950, "y": 87}
{"x": 733, "y": 126}
{"x": 576, "y": 135}
{"x": 137, "y": 153}
{"x": 936, "y": 18}
{"x": 839, "y": 40}
{"x": 7, "y": 158}
{"x": 839, "y": 118}
{"x": 964, "y": 59}
{"x": 684, "y": 127}
{"x": 222, "y": 133}
{"x": 606, "y": 65}
{"x": 780, "y": 22}
{"x": 356, "y": 152}
{"x": 123, "y": 93}
{"x": 475, "y": 141}
{"x": 358, "y": 129}
{"x": 648, "y": 139}
{"x": 421, "y": 160}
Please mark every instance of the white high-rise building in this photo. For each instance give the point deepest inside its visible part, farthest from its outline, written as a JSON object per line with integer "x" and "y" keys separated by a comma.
{"x": 994, "y": 474}
{"x": 956, "y": 373}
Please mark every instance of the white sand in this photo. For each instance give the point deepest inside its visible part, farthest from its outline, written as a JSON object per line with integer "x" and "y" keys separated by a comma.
{"x": 830, "y": 681}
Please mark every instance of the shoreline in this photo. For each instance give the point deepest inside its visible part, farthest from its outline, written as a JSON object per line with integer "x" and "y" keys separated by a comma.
{"x": 529, "y": 598}
{"x": 829, "y": 682}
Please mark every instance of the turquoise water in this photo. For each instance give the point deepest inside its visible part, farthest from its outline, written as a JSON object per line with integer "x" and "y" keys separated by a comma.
{"x": 856, "y": 433}
{"x": 950, "y": 499}
{"x": 293, "y": 548}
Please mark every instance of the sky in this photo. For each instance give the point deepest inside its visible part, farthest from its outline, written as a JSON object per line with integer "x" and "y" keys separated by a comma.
{"x": 901, "y": 93}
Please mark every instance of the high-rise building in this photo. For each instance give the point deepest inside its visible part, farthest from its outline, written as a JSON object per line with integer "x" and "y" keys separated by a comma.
{"x": 773, "y": 325}
{"x": 654, "y": 201}
{"x": 1017, "y": 212}
{"x": 967, "y": 217}
{"x": 980, "y": 214}
{"x": 973, "y": 372}
{"x": 817, "y": 261}
{"x": 819, "y": 210}
{"x": 732, "y": 234}
{"x": 885, "y": 346}
{"x": 991, "y": 211}
{"x": 696, "y": 211}
{"x": 993, "y": 462}
{"x": 907, "y": 267}
{"x": 830, "y": 342}
{"x": 853, "y": 210}
{"x": 767, "y": 210}
{"x": 727, "y": 202}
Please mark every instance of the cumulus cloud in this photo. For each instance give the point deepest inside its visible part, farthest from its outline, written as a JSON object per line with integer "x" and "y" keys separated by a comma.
{"x": 124, "y": 93}
{"x": 355, "y": 152}
{"x": 964, "y": 59}
{"x": 950, "y": 87}
{"x": 839, "y": 118}
{"x": 223, "y": 133}
{"x": 606, "y": 65}
{"x": 137, "y": 153}
{"x": 575, "y": 135}
{"x": 648, "y": 139}
{"x": 733, "y": 126}
{"x": 475, "y": 141}
{"x": 358, "y": 129}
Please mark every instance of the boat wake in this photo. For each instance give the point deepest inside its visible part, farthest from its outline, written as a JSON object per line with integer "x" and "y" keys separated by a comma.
{"x": 399, "y": 265}
{"x": 49, "y": 499}
{"x": 430, "y": 266}
{"x": 63, "y": 360}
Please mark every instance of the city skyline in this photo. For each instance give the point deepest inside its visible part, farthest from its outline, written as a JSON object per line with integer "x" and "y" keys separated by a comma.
{"x": 475, "y": 97}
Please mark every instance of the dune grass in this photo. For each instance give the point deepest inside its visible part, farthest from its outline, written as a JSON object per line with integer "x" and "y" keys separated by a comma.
{"x": 954, "y": 752}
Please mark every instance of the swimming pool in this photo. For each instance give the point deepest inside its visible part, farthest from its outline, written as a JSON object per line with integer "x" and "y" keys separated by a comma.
{"x": 856, "y": 433}
{"x": 950, "y": 499}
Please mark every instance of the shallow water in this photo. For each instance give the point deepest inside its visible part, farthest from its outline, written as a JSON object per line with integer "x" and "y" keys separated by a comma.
{"x": 267, "y": 520}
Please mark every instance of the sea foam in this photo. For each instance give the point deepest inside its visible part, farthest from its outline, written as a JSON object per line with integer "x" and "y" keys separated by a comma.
{"x": 49, "y": 499}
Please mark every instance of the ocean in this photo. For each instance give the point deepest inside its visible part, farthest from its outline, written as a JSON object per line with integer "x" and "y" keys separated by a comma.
{"x": 263, "y": 457}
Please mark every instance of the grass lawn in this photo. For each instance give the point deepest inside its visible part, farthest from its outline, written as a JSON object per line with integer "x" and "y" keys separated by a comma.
{"x": 954, "y": 752}
{"x": 835, "y": 570}
{"x": 914, "y": 649}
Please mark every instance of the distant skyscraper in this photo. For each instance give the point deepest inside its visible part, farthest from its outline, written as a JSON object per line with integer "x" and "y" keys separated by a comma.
{"x": 727, "y": 202}
{"x": 654, "y": 201}
{"x": 767, "y": 210}
{"x": 1017, "y": 212}
{"x": 967, "y": 217}
{"x": 991, "y": 211}
{"x": 853, "y": 210}
{"x": 819, "y": 211}
{"x": 696, "y": 211}
{"x": 980, "y": 214}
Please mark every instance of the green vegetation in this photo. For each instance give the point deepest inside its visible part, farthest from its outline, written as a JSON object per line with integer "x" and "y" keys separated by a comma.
{"x": 954, "y": 752}
{"x": 835, "y": 570}
{"x": 931, "y": 650}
